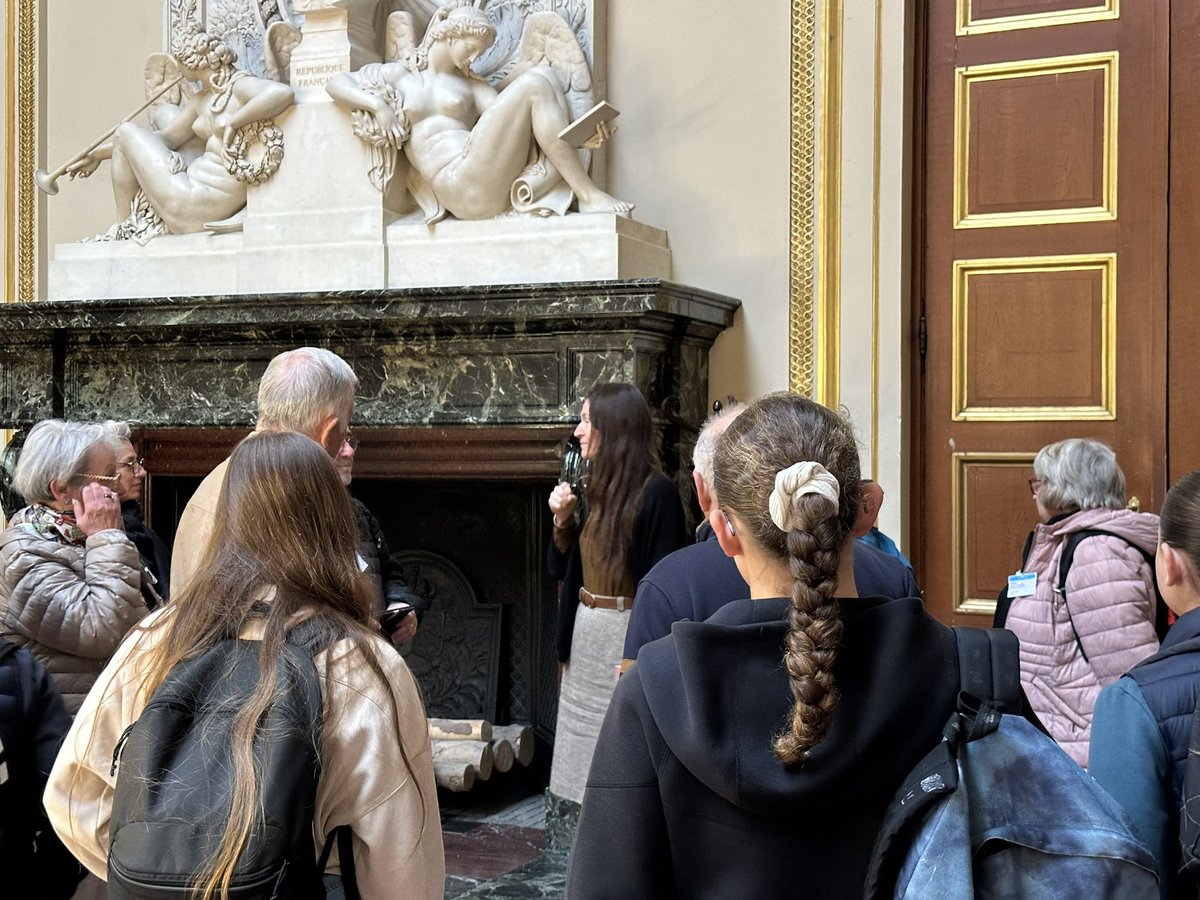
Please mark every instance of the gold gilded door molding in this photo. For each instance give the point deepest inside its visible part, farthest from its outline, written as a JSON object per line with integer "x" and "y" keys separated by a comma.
{"x": 20, "y": 150}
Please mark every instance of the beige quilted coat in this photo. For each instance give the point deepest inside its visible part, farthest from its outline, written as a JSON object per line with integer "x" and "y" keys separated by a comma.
{"x": 70, "y": 606}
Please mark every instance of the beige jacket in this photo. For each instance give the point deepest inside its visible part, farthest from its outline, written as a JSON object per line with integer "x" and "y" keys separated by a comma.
{"x": 70, "y": 606}
{"x": 364, "y": 782}
{"x": 195, "y": 528}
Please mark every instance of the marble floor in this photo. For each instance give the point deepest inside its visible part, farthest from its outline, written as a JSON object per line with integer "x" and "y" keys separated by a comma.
{"x": 495, "y": 840}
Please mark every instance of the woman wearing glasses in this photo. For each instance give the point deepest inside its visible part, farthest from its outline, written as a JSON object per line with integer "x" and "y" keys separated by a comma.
{"x": 71, "y": 583}
{"x": 156, "y": 555}
{"x": 1101, "y": 623}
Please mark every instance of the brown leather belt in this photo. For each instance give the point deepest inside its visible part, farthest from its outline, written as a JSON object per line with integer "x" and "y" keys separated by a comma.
{"x": 601, "y": 601}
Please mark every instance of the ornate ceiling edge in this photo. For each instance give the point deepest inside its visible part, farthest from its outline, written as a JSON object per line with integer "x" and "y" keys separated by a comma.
{"x": 20, "y": 145}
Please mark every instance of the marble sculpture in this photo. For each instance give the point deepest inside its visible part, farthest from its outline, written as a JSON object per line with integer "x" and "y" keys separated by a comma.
{"x": 462, "y": 144}
{"x": 188, "y": 170}
{"x": 475, "y": 151}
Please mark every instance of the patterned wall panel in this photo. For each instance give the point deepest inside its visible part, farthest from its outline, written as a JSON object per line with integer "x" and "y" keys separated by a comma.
{"x": 1036, "y": 142}
{"x": 1035, "y": 339}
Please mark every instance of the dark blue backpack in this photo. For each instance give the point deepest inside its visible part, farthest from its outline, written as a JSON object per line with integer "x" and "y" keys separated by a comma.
{"x": 175, "y": 780}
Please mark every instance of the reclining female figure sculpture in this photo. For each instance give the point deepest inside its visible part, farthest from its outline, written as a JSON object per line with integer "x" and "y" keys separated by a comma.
{"x": 469, "y": 144}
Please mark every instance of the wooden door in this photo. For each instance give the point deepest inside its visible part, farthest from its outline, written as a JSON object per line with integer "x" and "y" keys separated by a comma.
{"x": 1042, "y": 268}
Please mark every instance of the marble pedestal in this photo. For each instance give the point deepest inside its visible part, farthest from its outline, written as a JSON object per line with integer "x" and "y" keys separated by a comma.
{"x": 401, "y": 255}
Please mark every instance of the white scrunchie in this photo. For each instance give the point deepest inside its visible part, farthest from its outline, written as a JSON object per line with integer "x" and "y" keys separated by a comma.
{"x": 796, "y": 481}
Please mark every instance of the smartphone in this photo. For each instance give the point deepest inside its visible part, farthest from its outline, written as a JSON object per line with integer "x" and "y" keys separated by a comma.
{"x": 390, "y": 617}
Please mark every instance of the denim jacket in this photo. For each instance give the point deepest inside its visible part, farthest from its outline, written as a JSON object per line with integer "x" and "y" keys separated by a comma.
{"x": 1017, "y": 818}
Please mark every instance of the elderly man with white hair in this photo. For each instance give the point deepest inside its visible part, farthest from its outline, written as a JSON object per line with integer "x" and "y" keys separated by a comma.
{"x": 308, "y": 390}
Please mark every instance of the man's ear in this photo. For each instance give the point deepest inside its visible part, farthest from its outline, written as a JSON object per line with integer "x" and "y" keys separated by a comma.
{"x": 726, "y": 533}
{"x": 326, "y": 432}
{"x": 703, "y": 495}
{"x": 872, "y": 501}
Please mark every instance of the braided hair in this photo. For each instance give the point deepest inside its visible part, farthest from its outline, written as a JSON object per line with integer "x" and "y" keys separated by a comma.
{"x": 762, "y": 444}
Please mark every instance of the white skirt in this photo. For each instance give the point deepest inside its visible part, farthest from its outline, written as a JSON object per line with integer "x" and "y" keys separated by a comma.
{"x": 597, "y": 645}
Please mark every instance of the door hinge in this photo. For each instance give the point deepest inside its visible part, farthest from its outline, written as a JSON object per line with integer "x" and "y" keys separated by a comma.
{"x": 922, "y": 336}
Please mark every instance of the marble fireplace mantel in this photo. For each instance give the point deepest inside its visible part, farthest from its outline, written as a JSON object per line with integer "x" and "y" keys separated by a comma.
{"x": 516, "y": 355}
{"x": 465, "y": 397}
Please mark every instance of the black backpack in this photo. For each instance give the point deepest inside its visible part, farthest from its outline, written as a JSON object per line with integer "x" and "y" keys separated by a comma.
{"x": 175, "y": 780}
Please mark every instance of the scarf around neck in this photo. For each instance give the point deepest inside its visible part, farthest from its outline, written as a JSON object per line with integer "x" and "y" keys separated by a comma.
{"x": 54, "y": 524}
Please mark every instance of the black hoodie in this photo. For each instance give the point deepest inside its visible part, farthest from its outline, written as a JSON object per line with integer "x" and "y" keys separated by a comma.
{"x": 685, "y": 797}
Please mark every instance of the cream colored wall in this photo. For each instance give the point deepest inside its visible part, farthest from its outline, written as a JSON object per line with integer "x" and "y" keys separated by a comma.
{"x": 703, "y": 89}
{"x": 874, "y": 243}
{"x": 92, "y": 72}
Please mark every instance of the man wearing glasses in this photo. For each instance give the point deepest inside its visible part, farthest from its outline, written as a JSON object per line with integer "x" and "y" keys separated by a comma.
{"x": 308, "y": 390}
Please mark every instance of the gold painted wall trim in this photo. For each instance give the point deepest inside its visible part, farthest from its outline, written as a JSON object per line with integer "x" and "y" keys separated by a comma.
{"x": 1061, "y": 65}
{"x": 829, "y": 193}
{"x": 20, "y": 150}
{"x": 802, "y": 198}
{"x": 966, "y": 269}
{"x": 960, "y": 537}
{"x": 967, "y": 24}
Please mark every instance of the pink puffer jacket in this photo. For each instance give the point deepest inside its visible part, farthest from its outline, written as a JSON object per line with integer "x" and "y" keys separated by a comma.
{"x": 1110, "y": 593}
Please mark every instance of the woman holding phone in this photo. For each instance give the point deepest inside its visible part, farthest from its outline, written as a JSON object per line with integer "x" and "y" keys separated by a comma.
{"x": 629, "y": 517}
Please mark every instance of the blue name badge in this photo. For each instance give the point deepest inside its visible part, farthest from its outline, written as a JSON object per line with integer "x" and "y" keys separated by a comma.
{"x": 1022, "y": 584}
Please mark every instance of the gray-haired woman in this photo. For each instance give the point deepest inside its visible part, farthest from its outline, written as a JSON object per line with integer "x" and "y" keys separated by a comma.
{"x": 71, "y": 578}
{"x": 1077, "y": 640}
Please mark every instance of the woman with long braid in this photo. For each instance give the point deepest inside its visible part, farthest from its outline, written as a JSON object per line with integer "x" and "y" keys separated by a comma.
{"x": 753, "y": 755}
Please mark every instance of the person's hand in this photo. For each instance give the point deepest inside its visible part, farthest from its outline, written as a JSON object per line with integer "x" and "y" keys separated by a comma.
{"x": 562, "y": 504}
{"x": 97, "y": 509}
{"x": 603, "y": 132}
{"x": 405, "y": 631}
{"x": 83, "y": 167}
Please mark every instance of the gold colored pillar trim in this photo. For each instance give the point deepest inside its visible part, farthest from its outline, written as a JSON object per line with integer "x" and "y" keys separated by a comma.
{"x": 829, "y": 190}
{"x": 802, "y": 196}
{"x": 20, "y": 146}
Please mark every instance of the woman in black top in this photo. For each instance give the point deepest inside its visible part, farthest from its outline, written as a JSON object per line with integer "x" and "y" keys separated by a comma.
{"x": 633, "y": 519}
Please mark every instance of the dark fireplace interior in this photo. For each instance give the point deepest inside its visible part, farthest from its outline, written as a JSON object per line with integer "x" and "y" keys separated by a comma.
{"x": 473, "y": 547}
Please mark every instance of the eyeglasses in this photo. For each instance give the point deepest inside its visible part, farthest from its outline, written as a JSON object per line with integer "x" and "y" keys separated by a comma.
{"x": 352, "y": 441}
{"x": 112, "y": 478}
{"x": 133, "y": 465}
{"x": 1034, "y": 484}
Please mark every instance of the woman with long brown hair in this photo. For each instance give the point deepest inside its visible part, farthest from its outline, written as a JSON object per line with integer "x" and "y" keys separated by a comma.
{"x": 754, "y": 754}
{"x": 283, "y": 554}
{"x": 632, "y": 518}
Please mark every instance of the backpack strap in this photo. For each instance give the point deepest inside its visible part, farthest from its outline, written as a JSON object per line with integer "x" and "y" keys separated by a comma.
{"x": 989, "y": 666}
{"x": 342, "y": 835}
{"x": 1161, "y": 612}
{"x": 312, "y": 637}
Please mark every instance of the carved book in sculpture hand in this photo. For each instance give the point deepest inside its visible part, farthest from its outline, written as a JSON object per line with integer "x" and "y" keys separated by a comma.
{"x": 583, "y": 128}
